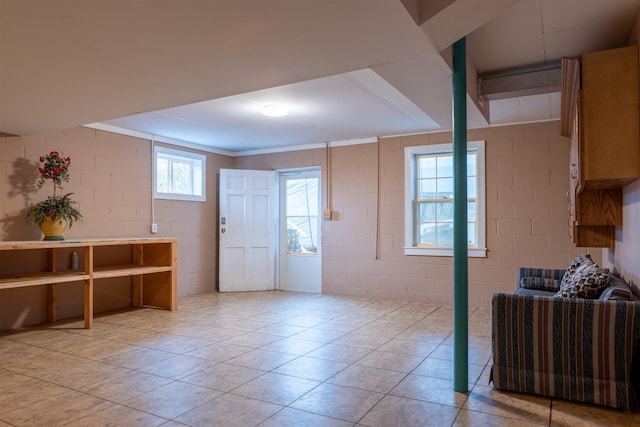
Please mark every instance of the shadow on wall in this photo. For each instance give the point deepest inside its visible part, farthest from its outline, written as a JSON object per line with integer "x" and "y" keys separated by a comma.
{"x": 17, "y": 225}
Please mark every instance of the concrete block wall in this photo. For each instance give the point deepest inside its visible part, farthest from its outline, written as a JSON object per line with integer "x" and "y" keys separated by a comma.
{"x": 527, "y": 215}
{"x": 111, "y": 178}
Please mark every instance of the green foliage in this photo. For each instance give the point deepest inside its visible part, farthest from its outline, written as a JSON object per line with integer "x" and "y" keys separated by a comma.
{"x": 58, "y": 208}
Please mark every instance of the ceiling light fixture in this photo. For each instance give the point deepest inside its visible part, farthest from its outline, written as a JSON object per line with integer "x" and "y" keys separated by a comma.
{"x": 274, "y": 110}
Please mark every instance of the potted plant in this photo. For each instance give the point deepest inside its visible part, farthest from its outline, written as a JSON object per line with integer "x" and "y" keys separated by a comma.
{"x": 56, "y": 212}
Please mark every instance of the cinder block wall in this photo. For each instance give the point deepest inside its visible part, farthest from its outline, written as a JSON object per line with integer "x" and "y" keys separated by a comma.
{"x": 527, "y": 216}
{"x": 111, "y": 178}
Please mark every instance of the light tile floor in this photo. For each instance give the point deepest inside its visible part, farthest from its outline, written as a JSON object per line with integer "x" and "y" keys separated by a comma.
{"x": 267, "y": 359}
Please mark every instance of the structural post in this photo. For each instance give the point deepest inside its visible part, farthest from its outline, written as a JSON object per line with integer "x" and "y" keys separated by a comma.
{"x": 460, "y": 254}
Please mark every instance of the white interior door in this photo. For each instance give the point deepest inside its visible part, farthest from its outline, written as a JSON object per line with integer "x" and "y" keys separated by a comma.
{"x": 300, "y": 264}
{"x": 247, "y": 230}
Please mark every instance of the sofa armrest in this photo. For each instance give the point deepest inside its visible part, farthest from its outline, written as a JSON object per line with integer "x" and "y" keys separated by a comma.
{"x": 542, "y": 279}
{"x": 574, "y": 349}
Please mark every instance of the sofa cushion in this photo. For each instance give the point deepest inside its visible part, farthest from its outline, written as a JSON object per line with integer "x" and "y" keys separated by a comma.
{"x": 540, "y": 283}
{"x": 587, "y": 282}
{"x": 575, "y": 266}
{"x": 617, "y": 292}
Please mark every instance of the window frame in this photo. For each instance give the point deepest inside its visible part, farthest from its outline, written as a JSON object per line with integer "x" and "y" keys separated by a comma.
{"x": 198, "y": 166}
{"x": 410, "y": 153}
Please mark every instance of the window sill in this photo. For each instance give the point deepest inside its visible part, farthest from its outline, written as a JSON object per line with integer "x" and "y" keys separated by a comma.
{"x": 472, "y": 252}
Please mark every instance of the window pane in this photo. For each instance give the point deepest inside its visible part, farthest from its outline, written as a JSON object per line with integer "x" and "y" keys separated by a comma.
{"x": 472, "y": 188}
{"x": 302, "y": 197}
{"x": 471, "y": 211}
{"x": 302, "y": 215}
{"x": 445, "y": 166}
{"x": 445, "y": 188}
{"x": 181, "y": 177}
{"x": 471, "y": 234}
{"x": 427, "y": 235}
{"x": 427, "y": 189}
{"x": 427, "y": 212}
{"x": 445, "y": 234}
{"x": 426, "y": 167}
{"x": 301, "y": 234}
{"x": 162, "y": 175}
{"x": 471, "y": 165}
{"x": 445, "y": 211}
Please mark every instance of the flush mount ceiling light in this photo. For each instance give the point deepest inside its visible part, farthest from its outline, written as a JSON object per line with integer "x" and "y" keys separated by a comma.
{"x": 274, "y": 110}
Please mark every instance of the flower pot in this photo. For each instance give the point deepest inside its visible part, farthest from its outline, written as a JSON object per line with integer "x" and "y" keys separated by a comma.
{"x": 53, "y": 229}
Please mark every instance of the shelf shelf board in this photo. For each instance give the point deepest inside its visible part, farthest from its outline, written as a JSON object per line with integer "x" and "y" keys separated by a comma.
{"x": 46, "y": 278}
{"x": 127, "y": 270}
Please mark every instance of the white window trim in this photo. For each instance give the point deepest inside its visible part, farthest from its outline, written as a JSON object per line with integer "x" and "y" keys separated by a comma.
{"x": 409, "y": 153}
{"x": 187, "y": 155}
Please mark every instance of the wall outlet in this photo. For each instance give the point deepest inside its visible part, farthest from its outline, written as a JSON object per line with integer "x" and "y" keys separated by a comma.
{"x": 154, "y": 228}
{"x": 326, "y": 214}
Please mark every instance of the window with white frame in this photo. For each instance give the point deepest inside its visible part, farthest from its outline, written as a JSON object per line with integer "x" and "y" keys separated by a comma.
{"x": 178, "y": 174}
{"x": 429, "y": 200}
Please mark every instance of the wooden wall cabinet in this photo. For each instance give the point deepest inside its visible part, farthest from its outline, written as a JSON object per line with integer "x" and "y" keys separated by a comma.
{"x": 605, "y": 144}
{"x": 151, "y": 263}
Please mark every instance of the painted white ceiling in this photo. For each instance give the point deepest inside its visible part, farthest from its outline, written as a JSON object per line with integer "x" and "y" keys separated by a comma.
{"x": 200, "y": 71}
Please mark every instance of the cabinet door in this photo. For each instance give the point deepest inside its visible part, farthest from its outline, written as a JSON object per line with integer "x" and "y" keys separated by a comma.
{"x": 609, "y": 144}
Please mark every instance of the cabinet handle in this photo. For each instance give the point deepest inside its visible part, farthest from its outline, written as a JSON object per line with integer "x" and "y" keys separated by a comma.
{"x": 574, "y": 171}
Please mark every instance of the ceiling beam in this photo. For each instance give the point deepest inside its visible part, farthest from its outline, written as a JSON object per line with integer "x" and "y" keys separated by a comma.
{"x": 447, "y": 21}
{"x": 512, "y": 85}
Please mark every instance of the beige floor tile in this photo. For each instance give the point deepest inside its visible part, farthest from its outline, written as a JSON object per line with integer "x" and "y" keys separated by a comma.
{"x": 289, "y": 417}
{"x": 176, "y": 367}
{"x": 100, "y": 350}
{"x": 320, "y": 335}
{"x": 118, "y": 415}
{"x": 413, "y": 348}
{"x": 262, "y": 359}
{"x": 367, "y": 378}
{"x": 440, "y": 368}
{"x": 276, "y": 388}
{"x": 429, "y": 389}
{"x": 379, "y": 330}
{"x": 517, "y": 406}
{"x": 220, "y": 352}
{"x": 281, "y": 330}
{"x": 229, "y": 410}
{"x": 354, "y": 339}
{"x": 223, "y": 377}
{"x": 172, "y": 400}
{"x": 83, "y": 373}
{"x": 135, "y": 357}
{"x": 425, "y": 335}
{"x": 293, "y": 346}
{"x": 252, "y": 339}
{"x": 311, "y": 368}
{"x": 393, "y": 361}
{"x": 330, "y": 358}
{"x": 57, "y": 410}
{"x": 472, "y": 419}
{"x": 344, "y": 403}
{"x": 178, "y": 344}
{"x": 17, "y": 390}
{"x": 571, "y": 414}
{"x": 399, "y": 411}
{"x": 339, "y": 353}
{"x": 123, "y": 386}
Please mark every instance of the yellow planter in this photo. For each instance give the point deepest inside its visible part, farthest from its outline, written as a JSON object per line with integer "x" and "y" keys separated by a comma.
{"x": 53, "y": 229}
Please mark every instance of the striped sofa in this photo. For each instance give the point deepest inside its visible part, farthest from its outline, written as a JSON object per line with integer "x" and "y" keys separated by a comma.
{"x": 585, "y": 350}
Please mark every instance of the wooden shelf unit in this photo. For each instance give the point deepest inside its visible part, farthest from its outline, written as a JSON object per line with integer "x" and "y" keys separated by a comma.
{"x": 152, "y": 264}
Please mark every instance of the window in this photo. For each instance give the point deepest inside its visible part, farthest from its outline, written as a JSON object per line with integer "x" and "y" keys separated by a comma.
{"x": 301, "y": 215}
{"x": 429, "y": 200}
{"x": 179, "y": 175}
